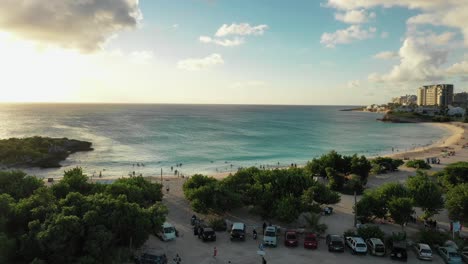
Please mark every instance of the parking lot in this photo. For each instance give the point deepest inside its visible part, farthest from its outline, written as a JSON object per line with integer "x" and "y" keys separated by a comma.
{"x": 193, "y": 250}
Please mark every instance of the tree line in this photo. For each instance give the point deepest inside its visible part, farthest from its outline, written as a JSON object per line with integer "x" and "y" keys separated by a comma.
{"x": 75, "y": 221}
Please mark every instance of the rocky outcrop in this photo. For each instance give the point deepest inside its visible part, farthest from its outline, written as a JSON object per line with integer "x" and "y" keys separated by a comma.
{"x": 39, "y": 151}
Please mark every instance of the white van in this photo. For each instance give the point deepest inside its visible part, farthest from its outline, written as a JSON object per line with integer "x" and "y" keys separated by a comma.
{"x": 269, "y": 238}
{"x": 168, "y": 232}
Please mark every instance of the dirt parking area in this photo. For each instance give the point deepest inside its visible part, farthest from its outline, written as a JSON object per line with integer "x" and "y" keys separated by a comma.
{"x": 193, "y": 250}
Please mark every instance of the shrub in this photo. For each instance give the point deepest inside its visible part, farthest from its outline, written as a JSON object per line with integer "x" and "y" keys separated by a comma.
{"x": 349, "y": 232}
{"x": 354, "y": 184}
{"x": 217, "y": 223}
{"x": 432, "y": 237}
{"x": 383, "y": 164}
{"x": 418, "y": 164}
{"x": 371, "y": 232}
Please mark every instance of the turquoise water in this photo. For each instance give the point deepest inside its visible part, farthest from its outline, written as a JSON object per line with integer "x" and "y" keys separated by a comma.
{"x": 207, "y": 138}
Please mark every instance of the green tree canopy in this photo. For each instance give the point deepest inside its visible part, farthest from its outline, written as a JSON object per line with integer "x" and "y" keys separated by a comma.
{"x": 18, "y": 184}
{"x": 457, "y": 202}
{"x": 426, "y": 194}
{"x": 400, "y": 210}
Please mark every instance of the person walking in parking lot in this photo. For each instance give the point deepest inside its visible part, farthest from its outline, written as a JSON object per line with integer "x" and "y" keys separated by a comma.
{"x": 215, "y": 252}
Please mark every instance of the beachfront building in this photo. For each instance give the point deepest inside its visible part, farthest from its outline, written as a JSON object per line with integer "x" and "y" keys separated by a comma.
{"x": 435, "y": 95}
{"x": 405, "y": 99}
{"x": 460, "y": 99}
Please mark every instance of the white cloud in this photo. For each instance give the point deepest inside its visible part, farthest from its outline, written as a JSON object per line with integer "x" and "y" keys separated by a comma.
{"x": 175, "y": 26}
{"x": 418, "y": 62}
{"x": 348, "y": 35}
{"x": 355, "y": 16}
{"x": 384, "y": 35}
{"x": 354, "y": 84}
{"x": 84, "y": 25}
{"x": 202, "y": 63}
{"x": 458, "y": 69}
{"x": 240, "y": 29}
{"x": 449, "y": 13}
{"x": 222, "y": 42}
{"x": 386, "y": 55}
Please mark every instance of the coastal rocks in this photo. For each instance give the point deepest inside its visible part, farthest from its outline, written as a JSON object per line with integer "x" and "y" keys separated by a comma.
{"x": 391, "y": 118}
{"x": 40, "y": 152}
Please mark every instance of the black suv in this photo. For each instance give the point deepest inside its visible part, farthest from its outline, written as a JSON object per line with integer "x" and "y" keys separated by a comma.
{"x": 207, "y": 234}
{"x": 335, "y": 243}
{"x": 398, "y": 251}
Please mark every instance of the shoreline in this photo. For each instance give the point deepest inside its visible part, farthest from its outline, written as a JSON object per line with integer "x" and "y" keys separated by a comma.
{"x": 458, "y": 132}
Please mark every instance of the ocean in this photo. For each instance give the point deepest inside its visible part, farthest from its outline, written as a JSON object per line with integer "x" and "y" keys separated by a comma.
{"x": 206, "y": 139}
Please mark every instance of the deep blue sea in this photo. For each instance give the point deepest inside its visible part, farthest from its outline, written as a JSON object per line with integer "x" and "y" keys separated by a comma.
{"x": 206, "y": 138}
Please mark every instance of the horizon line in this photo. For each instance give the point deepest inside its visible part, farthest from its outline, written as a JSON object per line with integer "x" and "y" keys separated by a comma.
{"x": 133, "y": 103}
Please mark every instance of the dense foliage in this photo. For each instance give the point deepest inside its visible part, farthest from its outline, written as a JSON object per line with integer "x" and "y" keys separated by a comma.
{"x": 426, "y": 193}
{"x": 38, "y": 151}
{"x": 457, "y": 202}
{"x": 389, "y": 200}
{"x": 384, "y": 165}
{"x": 345, "y": 173}
{"x": 454, "y": 174}
{"x": 283, "y": 193}
{"x": 418, "y": 164}
{"x": 432, "y": 237}
{"x": 75, "y": 221}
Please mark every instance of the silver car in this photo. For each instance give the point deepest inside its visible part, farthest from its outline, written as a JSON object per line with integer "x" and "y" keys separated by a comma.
{"x": 423, "y": 251}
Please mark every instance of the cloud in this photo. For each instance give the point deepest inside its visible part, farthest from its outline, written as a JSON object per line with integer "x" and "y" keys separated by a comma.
{"x": 202, "y": 63}
{"x": 354, "y": 84}
{"x": 242, "y": 29}
{"x": 459, "y": 69}
{"x": 384, "y": 35}
{"x": 348, "y": 35}
{"x": 222, "y": 42}
{"x": 76, "y": 24}
{"x": 418, "y": 62}
{"x": 449, "y": 13}
{"x": 386, "y": 55}
{"x": 355, "y": 16}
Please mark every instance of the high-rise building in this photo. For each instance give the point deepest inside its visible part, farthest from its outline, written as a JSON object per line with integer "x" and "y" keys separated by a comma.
{"x": 460, "y": 98}
{"x": 435, "y": 95}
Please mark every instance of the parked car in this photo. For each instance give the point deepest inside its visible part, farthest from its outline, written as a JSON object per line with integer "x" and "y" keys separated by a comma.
{"x": 310, "y": 241}
{"x": 449, "y": 255}
{"x": 207, "y": 234}
{"x": 376, "y": 247}
{"x": 290, "y": 239}
{"x": 398, "y": 251}
{"x": 167, "y": 232}
{"x": 464, "y": 254}
{"x": 357, "y": 245}
{"x": 335, "y": 243}
{"x": 238, "y": 231}
{"x": 155, "y": 258}
{"x": 423, "y": 251}
{"x": 269, "y": 237}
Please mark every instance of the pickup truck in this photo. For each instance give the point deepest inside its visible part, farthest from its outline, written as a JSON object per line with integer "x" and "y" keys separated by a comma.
{"x": 357, "y": 245}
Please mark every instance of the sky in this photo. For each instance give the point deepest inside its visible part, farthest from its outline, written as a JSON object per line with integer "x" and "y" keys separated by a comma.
{"x": 305, "y": 52}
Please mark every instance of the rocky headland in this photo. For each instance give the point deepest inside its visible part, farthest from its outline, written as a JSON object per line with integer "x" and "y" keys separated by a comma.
{"x": 43, "y": 152}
